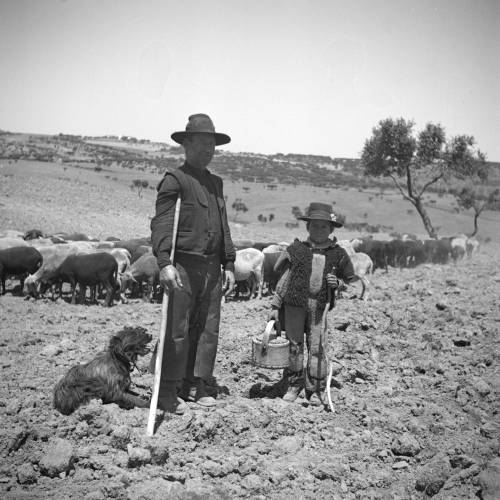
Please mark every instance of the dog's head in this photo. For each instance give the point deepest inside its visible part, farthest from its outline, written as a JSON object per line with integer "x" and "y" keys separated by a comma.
{"x": 131, "y": 341}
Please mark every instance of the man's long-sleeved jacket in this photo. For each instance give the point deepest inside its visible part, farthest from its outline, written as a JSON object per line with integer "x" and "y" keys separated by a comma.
{"x": 192, "y": 233}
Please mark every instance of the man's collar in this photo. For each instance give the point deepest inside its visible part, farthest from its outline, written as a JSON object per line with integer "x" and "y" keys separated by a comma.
{"x": 195, "y": 171}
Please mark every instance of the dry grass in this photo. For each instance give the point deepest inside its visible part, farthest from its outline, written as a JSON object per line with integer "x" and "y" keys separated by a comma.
{"x": 64, "y": 197}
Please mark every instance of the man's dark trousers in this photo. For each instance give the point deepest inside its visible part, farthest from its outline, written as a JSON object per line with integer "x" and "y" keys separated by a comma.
{"x": 193, "y": 321}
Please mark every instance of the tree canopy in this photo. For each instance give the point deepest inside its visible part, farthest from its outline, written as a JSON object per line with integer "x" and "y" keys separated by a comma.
{"x": 477, "y": 198}
{"x": 415, "y": 163}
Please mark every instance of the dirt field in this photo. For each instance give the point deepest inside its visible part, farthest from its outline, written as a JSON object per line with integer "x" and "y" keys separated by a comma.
{"x": 416, "y": 385}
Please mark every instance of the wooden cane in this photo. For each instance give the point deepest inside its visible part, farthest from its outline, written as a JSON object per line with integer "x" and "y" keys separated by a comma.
{"x": 330, "y": 372}
{"x": 163, "y": 329}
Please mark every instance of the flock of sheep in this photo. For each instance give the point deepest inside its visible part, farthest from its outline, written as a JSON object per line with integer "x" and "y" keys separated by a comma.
{"x": 42, "y": 262}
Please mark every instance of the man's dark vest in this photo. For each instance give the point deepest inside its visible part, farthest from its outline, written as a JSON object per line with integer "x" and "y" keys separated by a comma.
{"x": 192, "y": 234}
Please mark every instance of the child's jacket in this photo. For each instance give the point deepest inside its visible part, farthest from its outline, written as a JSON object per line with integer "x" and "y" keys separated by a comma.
{"x": 304, "y": 271}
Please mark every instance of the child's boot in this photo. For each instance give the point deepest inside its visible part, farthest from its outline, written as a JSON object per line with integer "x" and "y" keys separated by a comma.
{"x": 293, "y": 392}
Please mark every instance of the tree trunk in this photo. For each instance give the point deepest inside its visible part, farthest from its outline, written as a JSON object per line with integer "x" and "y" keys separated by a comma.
{"x": 476, "y": 217}
{"x": 425, "y": 218}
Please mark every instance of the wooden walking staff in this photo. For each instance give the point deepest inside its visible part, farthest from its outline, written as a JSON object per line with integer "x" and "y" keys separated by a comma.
{"x": 163, "y": 329}
{"x": 325, "y": 331}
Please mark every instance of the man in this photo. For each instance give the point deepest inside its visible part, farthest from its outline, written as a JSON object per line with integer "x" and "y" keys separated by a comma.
{"x": 194, "y": 280}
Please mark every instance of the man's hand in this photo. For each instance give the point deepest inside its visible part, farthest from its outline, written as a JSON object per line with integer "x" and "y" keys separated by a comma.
{"x": 170, "y": 278}
{"x": 332, "y": 281}
{"x": 228, "y": 281}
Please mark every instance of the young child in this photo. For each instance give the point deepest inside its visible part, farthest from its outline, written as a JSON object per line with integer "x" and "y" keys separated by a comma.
{"x": 308, "y": 269}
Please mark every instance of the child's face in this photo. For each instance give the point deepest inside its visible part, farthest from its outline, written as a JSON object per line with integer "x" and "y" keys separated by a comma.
{"x": 319, "y": 230}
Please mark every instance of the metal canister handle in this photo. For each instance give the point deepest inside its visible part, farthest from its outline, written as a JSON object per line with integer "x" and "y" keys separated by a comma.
{"x": 266, "y": 337}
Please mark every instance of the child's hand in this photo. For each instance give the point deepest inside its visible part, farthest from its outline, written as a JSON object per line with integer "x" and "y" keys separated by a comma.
{"x": 332, "y": 281}
{"x": 274, "y": 316}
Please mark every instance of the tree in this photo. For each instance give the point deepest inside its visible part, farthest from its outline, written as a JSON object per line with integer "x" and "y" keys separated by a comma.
{"x": 238, "y": 206}
{"x": 296, "y": 212}
{"x": 139, "y": 184}
{"x": 415, "y": 164}
{"x": 340, "y": 217}
{"x": 477, "y": 198}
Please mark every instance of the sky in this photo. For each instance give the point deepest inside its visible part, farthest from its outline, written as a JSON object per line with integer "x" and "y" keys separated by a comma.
{"x": 278, "y": 76}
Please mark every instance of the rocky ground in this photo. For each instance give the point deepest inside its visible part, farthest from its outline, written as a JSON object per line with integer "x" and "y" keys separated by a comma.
{"x": 416, "y": 387}
{"x": 415, "y": 390}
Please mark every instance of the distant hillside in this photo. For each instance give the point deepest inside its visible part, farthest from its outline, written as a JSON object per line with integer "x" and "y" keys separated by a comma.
{"x": 106, "y": 186}
{"x": 156, "y": 157}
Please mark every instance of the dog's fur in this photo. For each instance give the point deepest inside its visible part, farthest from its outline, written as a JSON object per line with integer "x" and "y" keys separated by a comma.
{"x": 107, "y": 376}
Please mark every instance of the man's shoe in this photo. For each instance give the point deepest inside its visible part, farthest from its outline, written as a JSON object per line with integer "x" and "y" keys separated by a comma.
{"x": 169, "y": 405}
{"x": 168, "y": 400}
{"x": 202, "y": 397}
{"x": 187, "y": 392}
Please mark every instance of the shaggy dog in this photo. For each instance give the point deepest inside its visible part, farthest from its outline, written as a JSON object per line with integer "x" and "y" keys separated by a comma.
{"x": 107, "y": 376}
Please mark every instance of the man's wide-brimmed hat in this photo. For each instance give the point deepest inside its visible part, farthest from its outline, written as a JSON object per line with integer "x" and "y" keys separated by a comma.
{"x": 321, "y": 211}
{"x": 200, "y": 124}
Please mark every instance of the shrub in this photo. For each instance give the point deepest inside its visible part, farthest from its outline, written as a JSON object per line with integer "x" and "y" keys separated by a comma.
{"x": 139, "y": 184}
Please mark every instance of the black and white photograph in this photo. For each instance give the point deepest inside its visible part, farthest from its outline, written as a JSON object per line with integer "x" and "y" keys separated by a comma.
{"x": 250, "y": 249}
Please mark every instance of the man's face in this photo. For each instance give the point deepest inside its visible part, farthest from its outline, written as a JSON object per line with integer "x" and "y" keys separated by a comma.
{"x": 200, "y": 149}
{"x": 319, "y": 230}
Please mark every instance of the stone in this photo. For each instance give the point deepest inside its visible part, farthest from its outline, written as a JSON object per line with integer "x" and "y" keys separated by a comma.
{"x": 489, "y": 480}
{"x": 461, "y": 342}
{"x": 13, "y": 407}
{"x": 198, "y": 489}
{"x": 462, "y": 396}
{"x": 121, "y": 459}
{"x": 21, "y": 434}
{"x": 481, "y": 386}
{"x": 26, "y": 474}
{"x": 51, "y": 351}
{"x": 212, "y": 468}
{"x": 490, "y": 430}
{"x": 156, "y": 489}
{"x": 405, "y": 445}
{"x": 84, "y": 452}
{"x": 95, "y": 495}
{"x": 289, "y": 444}
{"x": 81, "y": 430}
{"x": 58, "y": 458}
{"x": 67, "y": 345}
{"x": 432, "y": 476}
{"x": 418, "y": 410}
{"x": 252, "y": 482}
{"x": 120, "y": 437}
{"x": 175, "y": 475}
{"x": 159, "y": 452}
{"x": 330, "y": 470}
{"x": 336, "y": 368}
{"x": 138, "y": 456}
{"x": 461, "y": 461}
{"x": 400, "y": 464}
